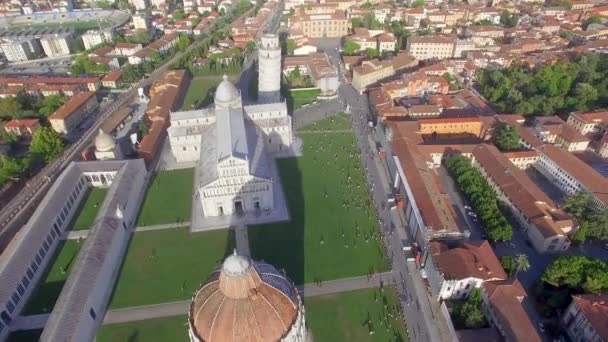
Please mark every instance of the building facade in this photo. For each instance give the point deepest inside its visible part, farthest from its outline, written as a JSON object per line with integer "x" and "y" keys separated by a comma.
{"x": 431, "y": 47}
{"x": 92, "y": 38}
{"x": 68, "y": 116}
{"x": 585, "y": 318}
{"x": 58, "y": 44}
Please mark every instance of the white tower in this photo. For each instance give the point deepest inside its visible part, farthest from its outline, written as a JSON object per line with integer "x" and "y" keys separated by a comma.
{"x": 269, "y": 59}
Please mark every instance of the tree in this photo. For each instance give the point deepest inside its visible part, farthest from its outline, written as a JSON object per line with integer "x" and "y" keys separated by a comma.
{"x": 351, "y": 48}
{"x": 10, "y": 108}
{"x": 468, "y": 314}
{"x": 594, "y": 19}
{"x": 50, "y": 104}
{"x": 593, "y": 220}
{"x": 11, "y": 168}
{"x": 508, "y": 264}
{"x": 507, "y": 138}
{"x": 46, "y": 144}
{"x": 509, "y": 19}
{"x": 418, "y": 4}
{"x": 291, "y": 46}
{"x": 521, "y": 263}
{"x": 372, "y": 53}
{"x": 178, "y": 15}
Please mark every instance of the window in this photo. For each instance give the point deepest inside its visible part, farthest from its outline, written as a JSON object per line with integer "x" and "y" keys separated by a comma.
{"x": 10, "y": 306}
{"x": 45, "y": 245}
{"x": 15, "y": 298}
{"x": 49, "y": 240}
{"x": 92, "y": 313}
{"x": 20, "y": 289}
{"x": 29, "y": 273}
{"x": 25, "y": 281}
{"x": 53, "y": 234}
{"x": 468, "y": 286}
{"x": 38, "y": 260}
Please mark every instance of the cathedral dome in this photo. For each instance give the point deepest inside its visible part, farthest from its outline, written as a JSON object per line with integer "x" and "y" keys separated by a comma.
{"x": 226, "y": 92}
{"x": 246, "y": 301}
{"x": 104, "y": 142}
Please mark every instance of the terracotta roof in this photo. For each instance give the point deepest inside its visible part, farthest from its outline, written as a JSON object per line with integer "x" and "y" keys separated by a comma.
{"x": 113, "y": 76}
{"x": 511, "y": 306}
{"x": 255, "y": 304}
{"x": 522, "y": 192}
{"x": 72, "y": 105}
{"x": 520, "y": 154}
{"x": 474, "y": 259}
{"x": 583, "y": 173}
{"x": 595, "y": 308}
{"x": 25, "y": 123}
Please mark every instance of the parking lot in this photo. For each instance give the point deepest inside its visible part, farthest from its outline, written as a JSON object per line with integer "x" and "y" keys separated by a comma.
{"x": 56, "y": 65}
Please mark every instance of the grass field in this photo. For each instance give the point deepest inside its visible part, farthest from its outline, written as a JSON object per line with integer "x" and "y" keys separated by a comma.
{"x": 340, "y": 121}
{"x": 25, "y": 336}
{"x": 296, "y": 99}
{"x": 351, "y": 316}
{"x": 167, "y": 329}
{"x": 200, "y": 91}
{"x": 47, "y": 291}
{"x": 88, "y": 209}
{"x": 168, "y": 265}
{"x": 169, "y": 198}
{"x": 333, "y": 232}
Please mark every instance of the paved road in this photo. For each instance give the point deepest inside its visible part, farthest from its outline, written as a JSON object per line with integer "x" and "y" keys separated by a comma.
{"x": 421, "y": 313}
{"x": 141, "y": 313}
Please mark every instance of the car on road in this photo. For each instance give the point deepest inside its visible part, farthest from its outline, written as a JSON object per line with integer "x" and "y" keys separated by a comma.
{"x": 510, "y": 245}
{"x": 541, "y": 327}
{"x": 605, "y": 246}
{"x": 472, "y": 214}
{"x": 467, "y": 207}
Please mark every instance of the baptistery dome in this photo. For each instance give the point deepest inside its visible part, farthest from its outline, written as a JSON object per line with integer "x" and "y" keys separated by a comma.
{"x": 247, "y": 301}
{"x": 104, "y": 142}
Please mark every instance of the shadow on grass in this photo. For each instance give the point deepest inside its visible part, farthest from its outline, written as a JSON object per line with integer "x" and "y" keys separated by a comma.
{"x": 282, "y": 244}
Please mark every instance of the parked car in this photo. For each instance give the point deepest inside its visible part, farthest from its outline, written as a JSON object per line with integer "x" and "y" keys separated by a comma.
{"x": 510, "y": 245}
{"x": 606, "y": 246}
{"x": 467, "y": 207}
{"x": 541, "y": 327}
{"x": 472, "y": 214}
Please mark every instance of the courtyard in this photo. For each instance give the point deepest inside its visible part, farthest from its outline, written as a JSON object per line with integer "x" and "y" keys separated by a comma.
{"x": 47, "y": 291}
{"x": 334, "y": 231}
{"x": 168, "y": 265}
{"x": 166, "y": 329}
{"x": 169, "y": 198}
{"x": 297, "y": 99}
{"x": 364, "y": 315}
{"x": 200, "y": 92}
{"x": 89, "y": 206}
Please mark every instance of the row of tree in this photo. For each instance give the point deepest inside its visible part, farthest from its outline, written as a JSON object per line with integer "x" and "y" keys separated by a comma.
{"x": 592, "y": 220}
{"x": 578, "y": 86}
{"x": 24, "y": 105}
{"x": 482, "y": 197}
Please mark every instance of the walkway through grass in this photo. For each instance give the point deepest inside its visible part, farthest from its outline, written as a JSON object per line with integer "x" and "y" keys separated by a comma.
{"x": 167, "y": 329}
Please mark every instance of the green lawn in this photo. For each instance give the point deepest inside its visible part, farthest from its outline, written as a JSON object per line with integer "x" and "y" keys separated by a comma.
{"x": 296, "y": 99}
{"x": 169, "y": 198}
{"x": 351, "y": 316}
{"x": 333, "y": 232}
{"x": 200, "y": 91}
{"x": 88, "y": 209}
{"x": 340, "y": 121}
{"x": 168, "y": 265}
{"x": 46, "y": 293}
{"x": 25, "y": 336}
{"x": 167, "y": 329}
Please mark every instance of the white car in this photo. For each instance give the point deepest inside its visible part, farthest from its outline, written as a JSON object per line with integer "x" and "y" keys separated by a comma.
{"x": 472, "y": 214}
{"x": 467, "y": 207}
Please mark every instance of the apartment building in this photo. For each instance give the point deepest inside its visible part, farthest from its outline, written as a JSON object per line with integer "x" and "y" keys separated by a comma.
{"x": 23, "y": 127}
{"x": 326, "y": 25}
{"x": 431, "y": 47}
{"x": 590, "y": 122}
{"x": 57, "y": 44}
{"x": 372, "y": 71}
{"x": 546, "y": 226}
{"x": 570, "y": 174}
{"x": 555, "y": 131}
{"x": 508, "y": 308}
{"x": 126, "y": 49}
{"x": 465, "y": 267}
{"x": 92, "y": 38}
{"x": 585, "y": 318}
{"x": 21, "y": 49}
{"x": 71, "y": 114}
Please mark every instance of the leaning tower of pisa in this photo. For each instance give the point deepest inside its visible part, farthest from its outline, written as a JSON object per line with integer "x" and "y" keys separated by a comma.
{"x": 269, "y": 60}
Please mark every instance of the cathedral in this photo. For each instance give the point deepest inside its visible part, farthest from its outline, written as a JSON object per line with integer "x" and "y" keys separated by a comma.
{"x": 233, "y": 145}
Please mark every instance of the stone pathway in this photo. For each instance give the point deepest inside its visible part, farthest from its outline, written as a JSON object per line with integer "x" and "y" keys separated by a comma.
{"x": 140, "y": 313}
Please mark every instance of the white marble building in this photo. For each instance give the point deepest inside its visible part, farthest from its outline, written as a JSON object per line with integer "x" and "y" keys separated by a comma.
{"x": 229, "y": 142}
{"x": 269, "y": 62}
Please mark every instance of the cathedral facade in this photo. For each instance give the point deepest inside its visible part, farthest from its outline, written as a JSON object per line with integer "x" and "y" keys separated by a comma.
{"x": 233, "y": 146}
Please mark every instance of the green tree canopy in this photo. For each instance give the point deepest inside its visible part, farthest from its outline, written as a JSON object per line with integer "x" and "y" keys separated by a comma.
{"x": 507, "y": 138}
{"x": 578, "y": 273}
{"x": 468, "y": 314}
{"x": 592, "y": 220}
{"x": 46, "y": 144}
{"x": 418, "y": 4}
{"x": 291, "y": 46}
{"x": 50, "y": 104}
{"x": 351, "y": 48}
{"x": 11, "y": 168}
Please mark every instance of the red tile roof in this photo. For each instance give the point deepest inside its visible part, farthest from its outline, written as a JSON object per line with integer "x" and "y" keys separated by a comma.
{"x": 595, "y": 308}
{"x": 474, "y": 259}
